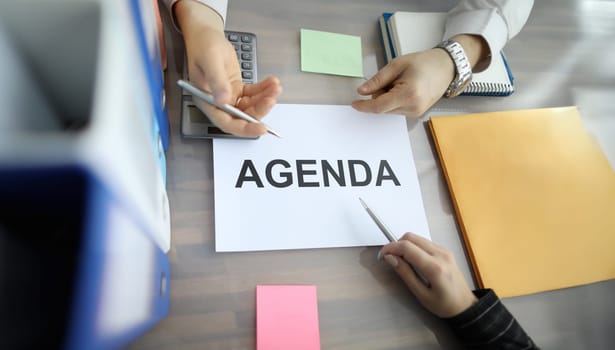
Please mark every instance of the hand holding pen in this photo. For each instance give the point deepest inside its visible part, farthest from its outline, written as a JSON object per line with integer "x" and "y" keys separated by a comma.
{"x": 213, "y": 66}
{"x": 207, "y": 99}
{"x": 448, "y": 293}
{"x": 428, "y": 269}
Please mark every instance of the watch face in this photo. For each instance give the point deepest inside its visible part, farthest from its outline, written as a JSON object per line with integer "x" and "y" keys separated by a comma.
{"x": 460, "y": 85}
{"x": 465, "y": 84}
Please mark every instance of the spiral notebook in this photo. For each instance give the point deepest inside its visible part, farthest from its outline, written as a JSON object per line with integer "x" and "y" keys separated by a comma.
{"x": 405, "y": 32}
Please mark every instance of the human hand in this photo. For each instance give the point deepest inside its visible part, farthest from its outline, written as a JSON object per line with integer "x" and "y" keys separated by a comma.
{"x": 409, "y": 85}
{"x": 213, "y": 67}
{"x": 412, "y": 83}
{"x": 448, "y": 293}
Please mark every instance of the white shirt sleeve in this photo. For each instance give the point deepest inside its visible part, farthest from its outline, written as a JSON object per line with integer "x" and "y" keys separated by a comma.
{"x": 497, "y": 21}
{"x": 219, "y": 6}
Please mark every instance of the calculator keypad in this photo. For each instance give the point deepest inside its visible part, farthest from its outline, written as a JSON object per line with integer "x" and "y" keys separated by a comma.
{"x": 245, "y": 48}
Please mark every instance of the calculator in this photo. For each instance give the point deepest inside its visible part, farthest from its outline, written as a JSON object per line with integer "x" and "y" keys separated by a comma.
{"x": 194, "y": 123}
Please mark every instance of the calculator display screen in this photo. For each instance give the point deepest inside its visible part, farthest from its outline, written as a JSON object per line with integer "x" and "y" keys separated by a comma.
{"x": 196, "y": 116}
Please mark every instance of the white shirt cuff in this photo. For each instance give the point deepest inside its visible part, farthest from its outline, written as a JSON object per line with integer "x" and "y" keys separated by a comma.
{"x": 220, "y": 6}
{"x": 484, "y": 22}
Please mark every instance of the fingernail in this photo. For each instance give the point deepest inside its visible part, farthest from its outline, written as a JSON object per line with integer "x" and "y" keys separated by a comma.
{"x": 391, "y": 260}
{"x": 379, "y": 256}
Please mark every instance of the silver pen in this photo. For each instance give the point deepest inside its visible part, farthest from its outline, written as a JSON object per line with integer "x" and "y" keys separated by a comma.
{"x": 389, "y": 235}
{"x": 232, "y": 110}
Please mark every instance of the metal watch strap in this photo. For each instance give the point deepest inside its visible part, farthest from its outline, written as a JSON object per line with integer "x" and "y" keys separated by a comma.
{"x": 463, "y": 74}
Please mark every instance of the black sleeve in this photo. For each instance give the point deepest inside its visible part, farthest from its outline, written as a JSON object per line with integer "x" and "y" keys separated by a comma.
{"x": 489, "y": 325}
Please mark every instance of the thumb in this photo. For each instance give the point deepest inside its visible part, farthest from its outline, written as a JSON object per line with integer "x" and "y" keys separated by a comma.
{"x": 380, "y": 80}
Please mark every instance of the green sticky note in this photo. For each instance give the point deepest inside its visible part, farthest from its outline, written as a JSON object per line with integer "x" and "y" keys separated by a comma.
{"x": 331, "y": 53}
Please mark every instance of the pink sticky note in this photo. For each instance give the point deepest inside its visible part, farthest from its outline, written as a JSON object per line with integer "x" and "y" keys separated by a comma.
{"x": 287, "y": 318}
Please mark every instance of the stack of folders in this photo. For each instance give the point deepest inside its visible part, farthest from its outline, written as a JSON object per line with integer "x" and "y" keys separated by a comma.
{"x": 84, "y": 212}
{"x": 407, "y": 32}
{"x": 534, "y": 196}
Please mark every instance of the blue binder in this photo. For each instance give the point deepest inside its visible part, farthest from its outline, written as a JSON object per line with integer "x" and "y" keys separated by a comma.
{"x": 78, "y": 256}
{"x": 153, "y": 66}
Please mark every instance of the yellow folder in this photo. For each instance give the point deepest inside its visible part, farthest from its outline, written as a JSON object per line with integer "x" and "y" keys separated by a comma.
{"x": 534, "y": 196}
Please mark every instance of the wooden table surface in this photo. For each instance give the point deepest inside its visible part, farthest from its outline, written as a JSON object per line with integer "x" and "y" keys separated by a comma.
{"x": 563, "y": 56}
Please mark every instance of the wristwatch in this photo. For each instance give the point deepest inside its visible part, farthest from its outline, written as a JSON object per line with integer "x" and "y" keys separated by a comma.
{"x": 463, "y": 69}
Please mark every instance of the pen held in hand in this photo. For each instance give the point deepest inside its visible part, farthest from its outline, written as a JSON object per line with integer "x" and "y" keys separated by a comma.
{"x": 389, "y": 235}
{"x": 232, "y": 110}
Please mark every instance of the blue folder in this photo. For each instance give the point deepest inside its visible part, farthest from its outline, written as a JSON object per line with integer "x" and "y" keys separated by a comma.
{"x": 80, "y": 270}
{"x": 153, "y": 66}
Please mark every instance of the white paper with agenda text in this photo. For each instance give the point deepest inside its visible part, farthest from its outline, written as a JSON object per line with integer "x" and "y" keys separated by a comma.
{"x": 257, "y": 207}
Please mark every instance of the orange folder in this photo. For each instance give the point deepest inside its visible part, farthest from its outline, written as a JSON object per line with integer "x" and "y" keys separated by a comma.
{"x": 534, "y": 196}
